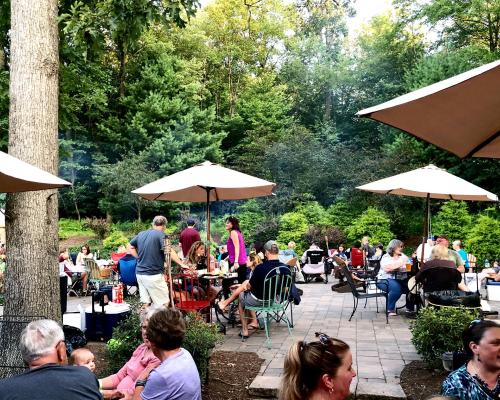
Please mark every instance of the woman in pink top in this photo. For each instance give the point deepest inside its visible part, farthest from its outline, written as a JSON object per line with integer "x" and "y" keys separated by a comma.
{"x": 236, "y": 248}
{"x": 143, "y": 358}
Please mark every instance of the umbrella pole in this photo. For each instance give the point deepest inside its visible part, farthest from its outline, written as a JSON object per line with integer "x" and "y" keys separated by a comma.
{"x": 426, "y": 226}
{"x": 168, "y": 267}
{"x": 207, "y": 247}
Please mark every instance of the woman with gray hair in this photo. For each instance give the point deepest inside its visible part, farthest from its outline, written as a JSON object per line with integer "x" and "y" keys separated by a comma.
{"x": 392, "y": 277}
{"x": 142, "y": 358}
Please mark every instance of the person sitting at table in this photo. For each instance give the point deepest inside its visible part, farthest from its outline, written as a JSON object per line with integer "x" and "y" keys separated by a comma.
{"x": 196, "y": 261}
{"x": 71, "y": 269}
{"x": 124, "y": 380}
{"x": 83, "y": 255}
{"x": 479, "y": 378}
{"x": 392, "y": 277}
{"x": 251, "y": 292}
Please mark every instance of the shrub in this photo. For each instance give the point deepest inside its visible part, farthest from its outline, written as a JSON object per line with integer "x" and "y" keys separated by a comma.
{"x": 436, "y": 331}
{"x": 293, "y": 226}
{"x": 113, "y": 241}
{"x": 126, "y": 338}
{"x": 313, "y": 211}
{"x": 72, "y": 227}
{"x": 317, "y": 234}
{"x": 482, "y": 240}
{"x": 453, "y": 220}
{"x": 373, "y": 223}
{"x": 99, "y": 226}
{"x": 201, "y": 337}
{"x": 131, "y": 228}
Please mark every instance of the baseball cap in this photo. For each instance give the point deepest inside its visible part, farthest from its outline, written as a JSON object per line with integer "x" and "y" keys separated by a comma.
{"x": 190, "y": 221}
{"x": 272, "y": 247}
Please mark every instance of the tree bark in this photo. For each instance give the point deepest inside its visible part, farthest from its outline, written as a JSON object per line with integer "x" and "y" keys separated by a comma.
{"x": 32, "y": 279}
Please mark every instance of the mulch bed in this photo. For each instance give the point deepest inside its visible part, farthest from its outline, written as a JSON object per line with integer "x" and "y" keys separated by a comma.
{"x": 74, "y": 241}
{"x": 419, "y": 382}
{"x": 229, "y": 377}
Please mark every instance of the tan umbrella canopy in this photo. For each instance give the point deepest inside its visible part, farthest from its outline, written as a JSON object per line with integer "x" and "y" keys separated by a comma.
{"x": 460, "y": 114}
{"x": 206, "y": 182}
{"x": 18, "y": 176}
{"x": 429, "y": 182}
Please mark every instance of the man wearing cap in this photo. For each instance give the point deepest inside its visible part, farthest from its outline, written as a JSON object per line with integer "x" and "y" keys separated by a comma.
{"x": 188, "y": 237}
{"x": 251, "y": 292}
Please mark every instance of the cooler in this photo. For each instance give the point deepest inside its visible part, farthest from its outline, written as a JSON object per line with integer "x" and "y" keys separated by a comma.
{"x": 100, "y": 321}
{"x": 493, "y": 289}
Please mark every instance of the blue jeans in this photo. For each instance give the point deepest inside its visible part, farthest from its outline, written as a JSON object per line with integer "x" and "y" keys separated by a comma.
{"x": 396, "y": 289}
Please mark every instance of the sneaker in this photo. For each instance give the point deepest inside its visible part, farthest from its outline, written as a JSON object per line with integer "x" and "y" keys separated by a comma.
{"x": 392, "y": 313}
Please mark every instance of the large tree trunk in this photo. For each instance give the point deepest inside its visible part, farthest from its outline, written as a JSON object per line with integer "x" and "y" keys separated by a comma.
{"x": 32, "y": 279}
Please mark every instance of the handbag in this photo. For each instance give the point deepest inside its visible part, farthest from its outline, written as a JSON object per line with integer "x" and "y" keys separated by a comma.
{"x": 454, "y": 298}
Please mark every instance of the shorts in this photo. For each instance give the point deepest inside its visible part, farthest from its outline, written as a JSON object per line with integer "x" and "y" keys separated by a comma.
{"x": 153, "y": 289}
{"x": 247, "y": 300}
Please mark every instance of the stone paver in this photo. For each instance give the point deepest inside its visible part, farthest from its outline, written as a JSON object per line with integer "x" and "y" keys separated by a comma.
{"x": 380, "y": 350}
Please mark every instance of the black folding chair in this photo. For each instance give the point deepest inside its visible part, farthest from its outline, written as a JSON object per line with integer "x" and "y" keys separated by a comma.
{"x": 361, "y": 294}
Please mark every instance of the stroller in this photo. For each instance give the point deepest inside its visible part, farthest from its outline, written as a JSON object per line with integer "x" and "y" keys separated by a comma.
{"x": 314, "y": 266}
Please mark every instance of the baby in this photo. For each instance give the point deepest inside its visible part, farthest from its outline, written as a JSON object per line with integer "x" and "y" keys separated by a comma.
{"x": 82, "y": 357}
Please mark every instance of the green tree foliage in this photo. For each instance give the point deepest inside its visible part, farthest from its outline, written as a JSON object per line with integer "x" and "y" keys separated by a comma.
{"x": 453, "y": 220}
{"x": 373, "y": 223}
{"x": 463, "y": 22}
{"x": 482, "y": 239}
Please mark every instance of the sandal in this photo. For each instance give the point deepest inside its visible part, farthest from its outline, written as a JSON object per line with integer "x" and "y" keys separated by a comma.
{"x": 253, "y": 328}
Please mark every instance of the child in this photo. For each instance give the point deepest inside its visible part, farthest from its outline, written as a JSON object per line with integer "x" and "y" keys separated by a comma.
{"x": 83, "y": 358}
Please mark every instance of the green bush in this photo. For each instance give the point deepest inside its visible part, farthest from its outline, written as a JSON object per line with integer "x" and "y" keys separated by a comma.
{"x": 373, "y": 223}
{"x": 72, "y": 227}
{"x": 126, "y": 338}
{"x": 436, "y": 331}
{"x": 313, "y": 211}
{"x": 453, "y": 220}
{"x": 131, "y": 228}
{"x": 293, "y": 226}
{"x": 482, "y": 239}
{"x": 201, "y": 337}
{"x": 113, "y": 241}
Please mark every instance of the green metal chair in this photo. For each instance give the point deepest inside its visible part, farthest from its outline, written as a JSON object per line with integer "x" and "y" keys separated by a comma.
{"x": 277, "y": 286}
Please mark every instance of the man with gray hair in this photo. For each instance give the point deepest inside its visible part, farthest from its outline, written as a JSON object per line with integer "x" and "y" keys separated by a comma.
{"x": 44, "y": 351}
{"x": 148, "y": 246}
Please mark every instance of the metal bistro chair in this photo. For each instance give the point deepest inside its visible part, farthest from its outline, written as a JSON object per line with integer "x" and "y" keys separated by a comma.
{"x": 357, "y": 294}
{"x": 11, "y": 361}
{"x": 277, "y": 286}
{"x": 190, "y": 295}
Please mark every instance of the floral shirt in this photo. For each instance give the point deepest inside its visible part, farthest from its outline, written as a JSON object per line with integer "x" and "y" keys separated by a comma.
{"x": 462, "y": 385}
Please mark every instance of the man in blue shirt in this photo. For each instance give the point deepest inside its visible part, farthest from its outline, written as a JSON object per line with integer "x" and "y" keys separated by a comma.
{"x": 43, "y": 349}
{"x": 251, "y": 292}
{"x": 149, "y": 248}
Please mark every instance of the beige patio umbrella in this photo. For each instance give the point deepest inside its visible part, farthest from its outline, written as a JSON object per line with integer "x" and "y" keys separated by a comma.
{"x": 460, "y": 114}
{"x": 205, "y": 182}
{"x": 19, "y": 176}
{"x": 429, "y": 182}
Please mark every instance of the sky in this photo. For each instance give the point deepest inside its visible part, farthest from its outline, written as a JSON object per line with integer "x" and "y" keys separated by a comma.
{"x": 365, "y": 10}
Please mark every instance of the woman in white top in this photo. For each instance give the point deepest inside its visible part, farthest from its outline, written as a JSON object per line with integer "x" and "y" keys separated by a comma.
{"x": 392, "y": 277}
{"x": 83, "y": 255}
